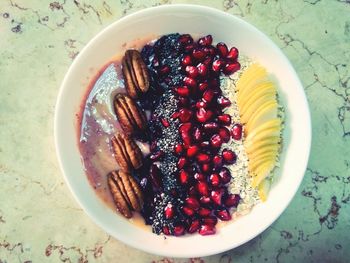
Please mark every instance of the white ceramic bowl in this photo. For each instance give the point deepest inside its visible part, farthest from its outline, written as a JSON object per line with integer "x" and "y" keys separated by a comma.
{"x": 196, "y": 20}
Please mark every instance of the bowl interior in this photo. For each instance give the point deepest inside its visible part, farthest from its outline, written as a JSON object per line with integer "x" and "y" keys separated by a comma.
{"x": 196, "y": 20}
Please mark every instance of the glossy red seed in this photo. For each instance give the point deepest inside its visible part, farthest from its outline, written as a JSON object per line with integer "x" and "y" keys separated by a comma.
{"x": 217, "y": 161}
{"x": 197, "y": 134}
{"x": 211, "y": 126}
{"x": 181, "y": 162}
{"x": 205, "y": 200}
{"x": 214, "y": 179}
{"x": 178, "y": 149}
{"x": 232, "y": 200}
{"x": 223, "y": 101}
{"x": 203, "y": 86}
{"x": 183, "y": 91}
{"x": 166, "y": 230}
{"x": 165, "y": 122}
{"x": 232, "y": 54}
{"x": 202, "y": 69}
{"x": 183, "y": 176}
{"x": 194, "y": 226}
{"x": 229, "y": 156}
{"x": 216, "y": 196}
{"x": 192, "y": 203}
{"x": 199, "y": 176}
{"x": 198, "y": 54}
{"x": 188, "y": 211}
{"x": 185, "y": 115}
{"x": 236, "y": 131}
{"x": 192, "y": 71}
{"x": 190, "y": 82}
{"x": 206, "y": 230}
{"x": 206, "y": 168}
{"x": 203, "y": 158}
{"x": 192, "y": 151}
{"x": 225, "y": 119}
{"x": 225, "y": 175}
{"x": 210, "y": 220}
{"x": 201, "y": 104}
{"x": 224, "y": 134}
{"x": 204, "y": 212}
{"x": 231, "y": 68}
{"x": 175, "y": 115}
{"x": 211, "y": 51}
{"x": 216, "y": 141}
{"x": 186, "y": 60}
{"x": 164, "y": 70}
{"x": 208, "y": 95}
{"x": 217, "y": 65}
{"x": 223, "y": 214}
{"x": 189, "y": 48}
{"x": 156, "y": 156}
{"x": 179, "y": 230}
{"x": 205, "y": 41}
{"x": 185, "y": 39}
{"x": 185, "y": 127}
{"x": 186, "y": 139}
{"x": 169, "y": 211}
{"x": 202, "y": 188}
{"x": 222, "y": 49}
{"x": 208, "y": 61}
{"x": 204, "y": 115}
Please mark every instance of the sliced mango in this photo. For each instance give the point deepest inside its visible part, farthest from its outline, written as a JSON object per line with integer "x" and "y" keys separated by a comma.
{"x": 263, "y": 189}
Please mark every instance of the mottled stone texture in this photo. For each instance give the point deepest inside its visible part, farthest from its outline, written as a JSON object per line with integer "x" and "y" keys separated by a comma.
{"x": 40, "y": 221}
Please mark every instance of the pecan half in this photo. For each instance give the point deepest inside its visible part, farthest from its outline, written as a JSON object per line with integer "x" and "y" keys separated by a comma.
{"x": 135, "y": 73}
{"x": 125, "y": 192}
{"x": 131, "y": 118}
{"x": 126, "y": 152}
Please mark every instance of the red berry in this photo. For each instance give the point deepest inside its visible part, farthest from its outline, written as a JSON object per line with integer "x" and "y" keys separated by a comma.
{"x": 181, "y": 162}
{"x": 183, "y": 91}
{"x": 185, "y": 115}
{"x": 192, "y": 151}
{"x": 236, "y": 131}
{"x": 169, "y": 211}
{"x": 205, "y": 41}
{"x": 210, "y": 220}
{"x": 192, "y": 203}
{"x": 203, "y": 86}
{"x": 186, "y": 60}
{"x": 229, "y": 156}
{"x": 188, "y": 211}
{"x": 185, "y": 127}
{"x": 202, "y": 69}
{"x": 231, "y": 68}
{"x": 179, "y": 230}
{"x": 223, "y": 214}
{"x": 178, "y": 149}
{"x": 216, "y": 196}
{"x": 205, "y": 200}
{"x": 165, "y": 122}
{"x": 217, "y": 161}
{"x": 206, "y": 168}
{"x": 225, "y": 175}
{"x": 192, "y": 71}
{"x": 199, "y": 176}
{"x": 216, "y": 141}
{"x": 190, "y": 82}
{"x": 217, "y": 65}
{"x": 183, "y": 176}
{"x": 194, "y": 226}
{"x": 224, "y": 134}
{"x": 203, "y": 158}
{"x": 214, "y": 179}
{"x": 208, "y": 95}
{"x": 202, "y": 188}
{"x": 201, "y": 104}
{"x": 166, "y": 230}
{"x": 204, "y": 115}
{"x": 204, "y": 212}
{"x": 232, "y": 54}
{"x": 225, "y": 119}
{"x": 222, "y": 49}
{"x": 198, "y": 54}
{"x": 223, "y": 101}
{"x": 232, "y": 200}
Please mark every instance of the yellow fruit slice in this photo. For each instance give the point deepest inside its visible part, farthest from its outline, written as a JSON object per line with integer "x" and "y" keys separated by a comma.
{"x": 262, "y": 172}
{"x": 254, "y": 73}
{"x": 264, "y": 101}
{"x": 269, "y": 157}
{"x": 268, "y": 134}
{"x": 260, "y": 117}
{"x": 270, "y": 146}
{"x": 263, "y": 189}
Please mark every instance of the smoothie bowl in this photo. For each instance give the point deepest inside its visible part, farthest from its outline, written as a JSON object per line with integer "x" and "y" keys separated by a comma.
{"x": 171, "y": 131}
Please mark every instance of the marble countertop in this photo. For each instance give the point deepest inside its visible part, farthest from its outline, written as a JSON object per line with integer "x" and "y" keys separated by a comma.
{"x": 39, "y": 219}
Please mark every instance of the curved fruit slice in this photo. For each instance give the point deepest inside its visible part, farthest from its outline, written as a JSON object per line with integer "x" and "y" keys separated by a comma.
{"x": 264, "y": 101}
{"x": 270, "y": 147}
{"x": 263, "y": 189}
{"x": 271, "y": 124}
{"x": 267, "y": 113}
{"x": 262, "y": 172}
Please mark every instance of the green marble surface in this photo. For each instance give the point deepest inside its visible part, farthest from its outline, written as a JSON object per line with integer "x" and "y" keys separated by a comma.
{"x": 40, "y": 221}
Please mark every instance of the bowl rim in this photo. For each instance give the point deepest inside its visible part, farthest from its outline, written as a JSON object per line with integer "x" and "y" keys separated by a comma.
{"x": 145, "y": 12}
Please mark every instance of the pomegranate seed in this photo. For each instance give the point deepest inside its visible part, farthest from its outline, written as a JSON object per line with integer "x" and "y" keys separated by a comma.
{"x": 217, "y": 65}
{"x": 165, "y": 122}
{"x": 211, "y": 126}
{"x": 192, "y": 151}
{"x": 190, "y": 82}
{"x": 201, "y": 104}
{"x": 203, "y": 86}
{"x": 206, "y": 230}
{"x": 183, "y": 91}
{"x": 204, "y": 212}
{"x": 199, "y": 176}
{"x": 179, "y": 230}
{"x": 183, "y": 176}
{"x": 222, "y": 49}
{"x": 175, "y": 115}
{"x": 208, "y": 61}
{"x": 202, "y": 69}
{"x": 229, "y": 156}
{"x": 192, "y": 203}
{"x": 223, "y": 214}
{"x": 186, "y": 60}
{"x": 186, "y": 139}
{"x": 223, "y": 101}
{"x": 181, "y": 162}
{"x": 192, "y": 71}
{"x": 208, "y": 95}
{"x": 225, "y": 175}
{"x": 214, "y": 180}
{"x": 185, "y": 127}
{"x": 156, "y": 156}
{"x": 224, "y": 134}
{"x": 154, "y": 173}
{"x": 210, "y": 220}
{"x": 178, "y": 149}
{"x": 202, "y": 188}
{"x": 205, "y": 41}
{"x": 216, "y": 196}
{"x": 211, "y": 51}
{"x": 198, "y": 54}
{"x": 164, "y": 70}
{"x": 188, "y": 211}
{"x": 232, "y": 54}
{"x": 194, "y": 226}
{"x": 203, "y": 115}
{"x": 225, "y": 119}
{"x": 214, "y": 83}
{"x": 203, "y": 158}
{"x": 185, "y": 115}
{"x": 232, "y": 200}
{"x": 205, "y": 200}
{"x": 217, "y": 161}
{"x": 197, "y": 134}
{"x": 185, "y": 39}
{"x": 216, "y": 141}
{"x": 166, "y": 230}
{"x": 189, "y": 48}
{"x": 231, "y": 68}
{"x": 206, "y": 168}
{"x": 169, "y": 211}
{"x": 205, "y": 144}
{"x": 236, "y": 131}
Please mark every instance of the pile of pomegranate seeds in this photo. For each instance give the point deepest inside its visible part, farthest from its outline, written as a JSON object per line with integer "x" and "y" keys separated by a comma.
{"x": 185, "y": 183}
